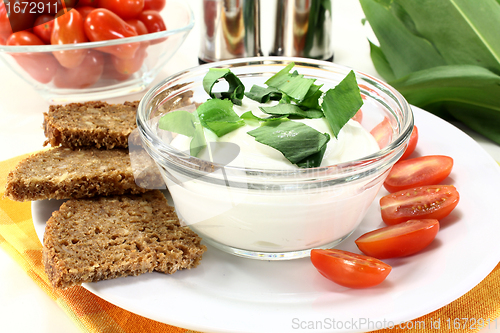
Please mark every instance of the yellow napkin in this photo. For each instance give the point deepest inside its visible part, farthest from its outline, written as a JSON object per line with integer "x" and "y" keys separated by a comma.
{"x": 92, "y": 314}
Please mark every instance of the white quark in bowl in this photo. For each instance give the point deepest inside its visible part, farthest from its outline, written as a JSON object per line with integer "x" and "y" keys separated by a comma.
{"x": 244, "y": 197}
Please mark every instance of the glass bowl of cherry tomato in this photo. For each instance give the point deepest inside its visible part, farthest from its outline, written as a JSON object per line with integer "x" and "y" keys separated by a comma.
{"x": 91, "y": 49}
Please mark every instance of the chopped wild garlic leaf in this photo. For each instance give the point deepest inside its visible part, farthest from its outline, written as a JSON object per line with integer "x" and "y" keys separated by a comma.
{"x": 295, "y": 140}
{"x": 218, "y": 116}
{"x": 236, "y": 90}
{"x": 341, "y": 103}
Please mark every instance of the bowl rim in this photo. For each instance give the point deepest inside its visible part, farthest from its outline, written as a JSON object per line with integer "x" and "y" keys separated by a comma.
{"x": 358, "y": 166}
{"x": 89, "y": 45}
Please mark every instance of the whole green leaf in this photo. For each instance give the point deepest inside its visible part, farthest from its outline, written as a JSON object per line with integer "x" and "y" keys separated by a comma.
{"x": 468, "y": 93}
{"x": 463, "y": 31}
{"x": 218, "y": 116}
{"x": 380, "y": 62}
{"x": 404, "y": 51}
{"x": 181, "y": 122}
{"x": 291, "y": 110}
{"x": 295, "y": 140}
{"x": 341, "y": 103}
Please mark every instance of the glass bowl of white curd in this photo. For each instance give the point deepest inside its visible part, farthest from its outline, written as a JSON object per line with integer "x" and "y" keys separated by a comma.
{"x": 244, "y": 197}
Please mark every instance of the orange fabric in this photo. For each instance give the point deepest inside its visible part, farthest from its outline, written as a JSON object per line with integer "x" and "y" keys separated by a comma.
{"x": 92, "y": 314}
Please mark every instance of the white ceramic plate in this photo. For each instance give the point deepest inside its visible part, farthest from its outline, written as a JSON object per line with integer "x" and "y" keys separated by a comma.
{"x": 231, "y": 294}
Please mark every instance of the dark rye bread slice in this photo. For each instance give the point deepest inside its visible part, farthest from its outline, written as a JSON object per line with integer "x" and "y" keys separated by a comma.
{"x": 90, "y": 240}
{"x": 63, "y": 173}
{"x": 96, "y": 124}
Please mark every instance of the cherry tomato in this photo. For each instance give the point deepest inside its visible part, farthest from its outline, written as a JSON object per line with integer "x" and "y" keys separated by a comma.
{"x": 398, "y": 240}
{"x": 130, "y": 66}
{"x": 382, "y": 133}
{"x": 52, "y": 7}
{"x": 411, "y": 144}
{"x": 85, "y": 11}
{"x": 358, "y": 116}
{"x": 102, "y": 24}
{"x": 350, "y": 269}
{"x": 5, "y": 29}
{"x": 20, "y": 17}
{"x": 425, "y": 202}
{"x": 138, "y": 26}
{"x": 24, "y": 38}
{"x": 39, "y": 65}
{"x": 44, "y": 25}
{"x": 68, "y": 29}
{"x": 420, "y": 171}
{"x": 157, "y": 5}
{"x": 153, "y": 21}
{"x": 110, "y": 72}
{"x": 86, "y": 3}
{"x": 126, "y": 9}
{"x": 83, "y": 76}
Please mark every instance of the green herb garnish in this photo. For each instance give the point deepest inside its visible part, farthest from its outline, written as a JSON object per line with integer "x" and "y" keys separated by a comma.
{"x": 296, "y": 141}
{"x": 341, "y": 103}
{"x": 291, "y": 110}
{"x": 198, "y": 143}
{"x": 185, "y": 123}
{"x": 218, "y": 116}
{"x": 236, "y": 90}
{"x": 181, "y": 122}
{"x": 249, "y": 116}
{"x": 294, "y": 85}
{"x": 263, "y": 95}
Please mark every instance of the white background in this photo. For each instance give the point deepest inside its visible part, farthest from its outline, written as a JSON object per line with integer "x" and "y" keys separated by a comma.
{"x": 24, "y": 307}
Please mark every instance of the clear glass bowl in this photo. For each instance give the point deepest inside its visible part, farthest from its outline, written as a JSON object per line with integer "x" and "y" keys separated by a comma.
{"x": 272, "y": 214}
{"x": 97, "y": 77}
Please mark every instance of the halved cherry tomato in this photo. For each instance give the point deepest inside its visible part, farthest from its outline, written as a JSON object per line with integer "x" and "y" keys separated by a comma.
{"x": 102, "y": 24}
{"x": 398, "y": 240}
{"x": 5, "y": 28}
{"x": 85, "y": 11}
{"x": 419, "y": 171}
{"x": 83, "y": 76}
{"x": 138, "y": 26}
{"x": 349, "y": 269}
{"x": 126, "y": 9}
{"x": 153, "y": 21}
{"x": 130, "y": 66}
{"x": 68, "y": 29}
{"x": 39, "y": 65}
{"x": 358, "y": 116}
{"x": 382, "y": 133}
{"x": 425, "y": 202}
{"x": 157, "y": 5}
{"x": 411, "y": 144}
{"x": 43, "y": 27}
